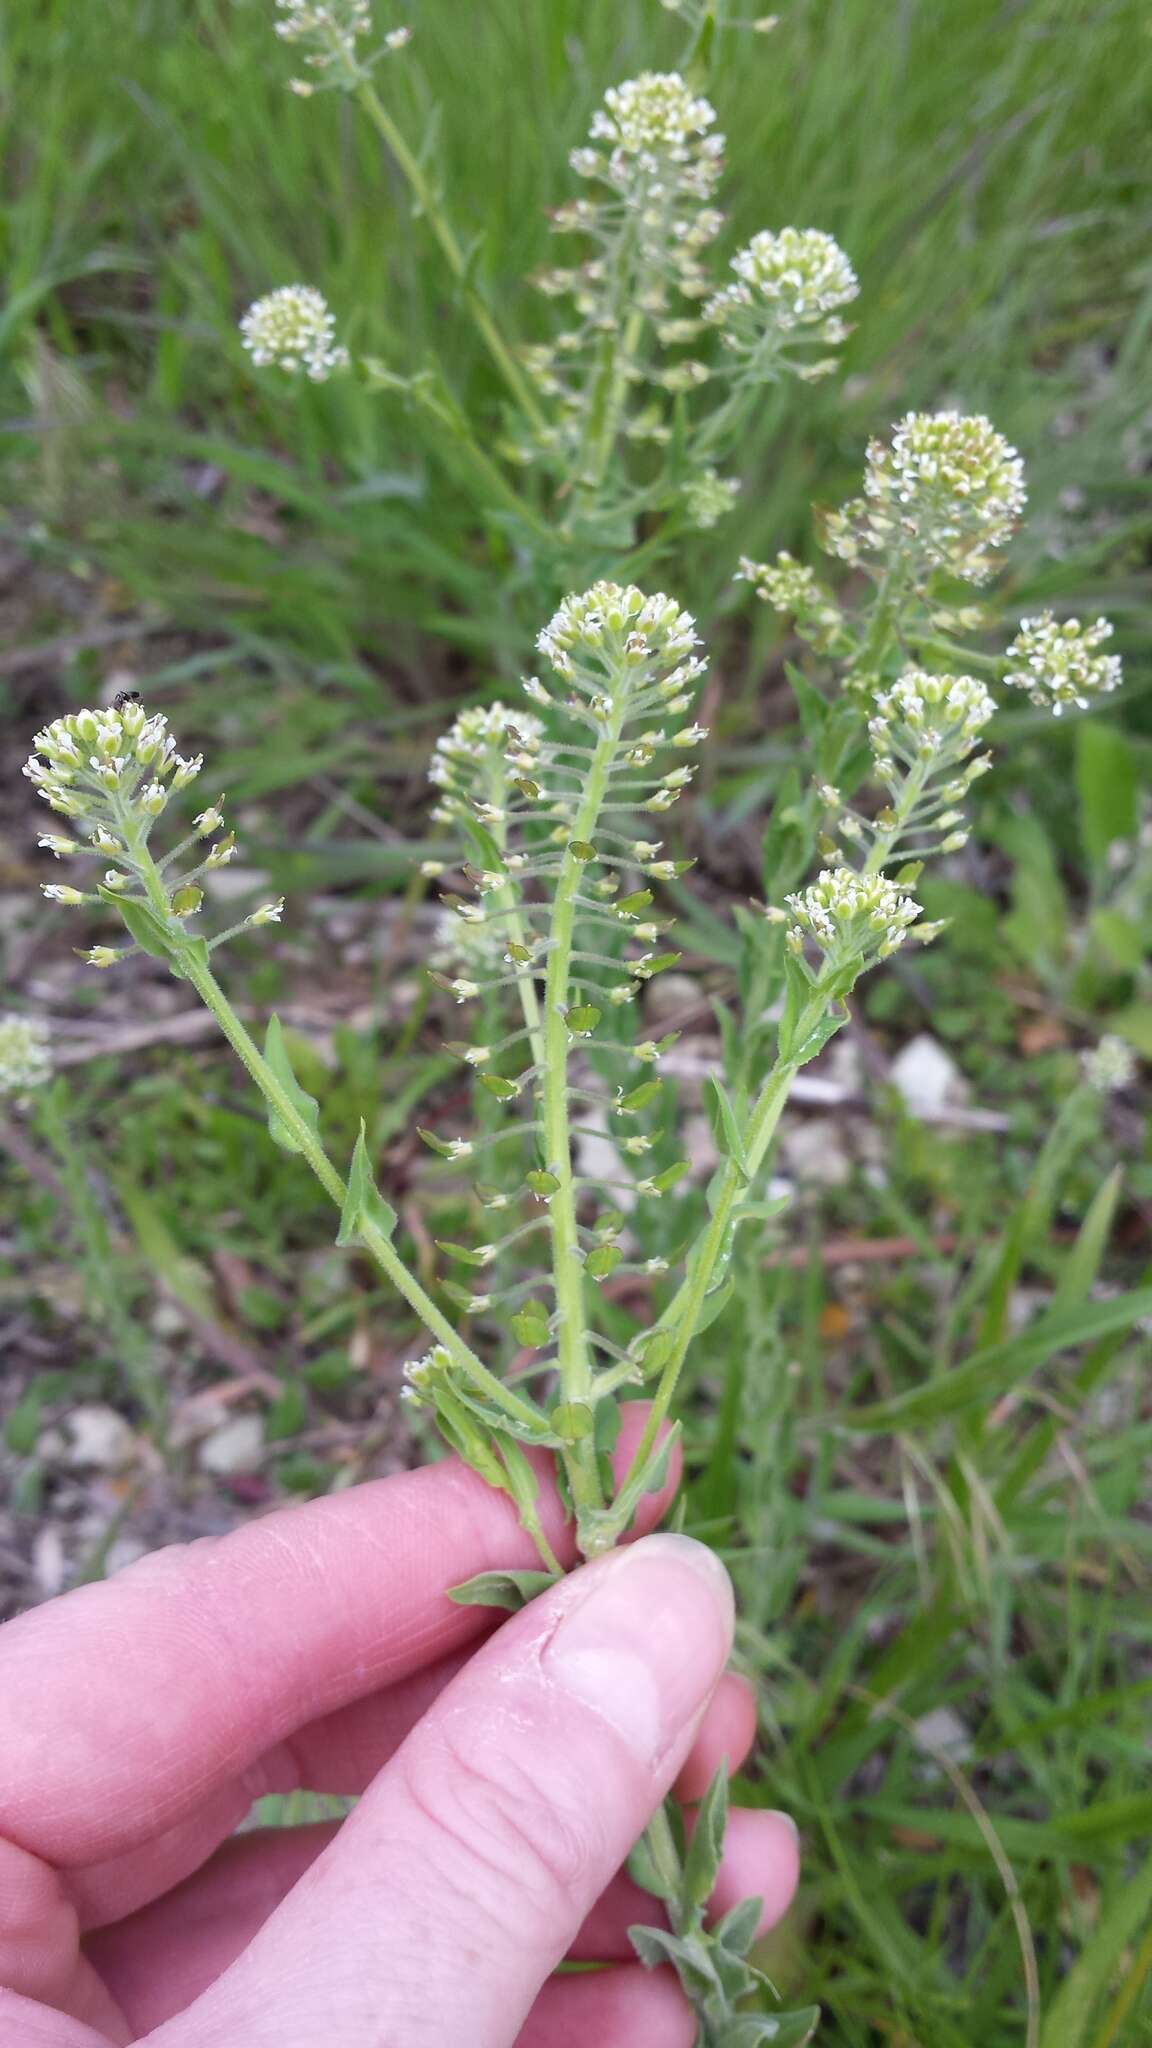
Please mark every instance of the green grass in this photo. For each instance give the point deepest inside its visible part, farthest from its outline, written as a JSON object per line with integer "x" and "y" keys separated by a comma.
{"x": 312, "y": 586}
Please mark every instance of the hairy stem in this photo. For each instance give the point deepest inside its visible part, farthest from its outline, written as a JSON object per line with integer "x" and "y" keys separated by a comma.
{"x": 454, "y": 255}
{"x": 308, "y": 1144}
{"x": 574, "y": 1362}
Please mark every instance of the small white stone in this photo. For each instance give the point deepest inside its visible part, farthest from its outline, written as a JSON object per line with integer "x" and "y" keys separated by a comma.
{"x": 927, "y": 1078}
{"x": 49, "y": 1561}
{"x": 237, "y": 1446}
{"x": 943, "y": 1731}
{"x": 96, "y": 1435}
{"x": 811, "y": 1148}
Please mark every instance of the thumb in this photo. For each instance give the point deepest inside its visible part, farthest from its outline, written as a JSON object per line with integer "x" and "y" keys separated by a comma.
{"x": 459, "y": 1882}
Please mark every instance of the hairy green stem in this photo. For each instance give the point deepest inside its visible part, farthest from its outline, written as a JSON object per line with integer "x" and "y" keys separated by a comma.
{"x": 308, "y": 1144}
{"x": 684, "y": 1311}
{"x": 574, "y": 1363}
{"x": 421, "y": 189}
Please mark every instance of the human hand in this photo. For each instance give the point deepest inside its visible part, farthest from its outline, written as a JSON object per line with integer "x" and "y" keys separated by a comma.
{"x": 502, "y": 1785}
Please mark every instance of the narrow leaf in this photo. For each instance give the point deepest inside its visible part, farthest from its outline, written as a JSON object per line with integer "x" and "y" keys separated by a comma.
{"x": 363, "y": 1202}
{"x": 726, "y": 1130}
{"x": 305, "y": 1105}
{"x": 702, "y": 1863}
{"x": 512, "y": 1590}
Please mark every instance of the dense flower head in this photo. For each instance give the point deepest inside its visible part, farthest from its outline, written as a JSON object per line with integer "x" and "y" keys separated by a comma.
{"x": 1109, "y": 1066}
{"x": 947, "y": 490}
{"x": 926, "y": 717}
{"x": 422, "y": 1375}
{"x": 329, "y": 32}
{"x": 616, "y": 622}
{"x": 850, "y": 915}
{"x": 802, "y": 274}
{"x": 1057, "y": 663}
{"x": 293, "y": 329}
{"x": 794, "y": 589}
{"x": 708, "y": 497}
{"x": 102, "y": 766}
{"x": 658, "y": 121}
{"x": 25, "y": 1060}
{"x": 472, "y": 761}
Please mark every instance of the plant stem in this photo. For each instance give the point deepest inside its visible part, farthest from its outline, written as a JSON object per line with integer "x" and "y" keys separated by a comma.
{"x": 684, "y": 1311}
{"x": 211, "y": 994}
{"x": 453, "y": 254}
{"x": 568, "y": 1273}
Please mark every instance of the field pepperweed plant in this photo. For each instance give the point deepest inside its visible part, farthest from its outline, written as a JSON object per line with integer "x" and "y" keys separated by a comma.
{"x": 555, "y": 807}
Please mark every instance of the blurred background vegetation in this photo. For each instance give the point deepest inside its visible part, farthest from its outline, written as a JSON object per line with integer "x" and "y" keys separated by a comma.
{"x": 946, "y": 1596}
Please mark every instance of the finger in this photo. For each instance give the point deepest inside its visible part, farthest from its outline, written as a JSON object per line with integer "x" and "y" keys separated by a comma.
{"x": 159, "y": 1960}
{"x": 628, "y": 2008}
{"x": 726, "y": 1736}
{"x": 26, "y": 2024}
{"x": 342, "y": 1753}
{"x": 459, "y": 1882}
{"x": 197, "y": 1659}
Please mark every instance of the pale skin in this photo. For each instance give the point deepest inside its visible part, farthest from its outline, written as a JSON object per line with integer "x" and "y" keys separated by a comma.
{"x": 504, "y": 1772}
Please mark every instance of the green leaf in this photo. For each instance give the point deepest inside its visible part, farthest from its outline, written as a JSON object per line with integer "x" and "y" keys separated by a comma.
{"x": 363, "y": 1202}
{"x": 990, "y": 1372}
{"x": 1068, "y": 2021}
{"x": 638, "y": 1098}
{"x": 662, "y": 1182}
{"x": 702, "y": 1863}
{"x": 771, "y": 2030}
{"x": 491, "y": 858}
{"x": 287, "y": 1414}
{"x": 603, "y": 1261}
{"x": 738, "y": 1929}
{"x": 572, "y": 1421}
{"x": 143, "y": 923}
{"x": 582, "y": 1018}
{"x": 512, "y": 1590}
{"x": 306, "y": 1106}
{"x": 725, "y": 1128}
{"x": 688, "y": 1955}
{"x": 1120, "y": 937}
{"x": 644, "y": 1870}
{"x": 1106, "y": 782}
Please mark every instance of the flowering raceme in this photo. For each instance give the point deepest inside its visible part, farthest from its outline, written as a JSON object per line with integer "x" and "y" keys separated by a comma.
{"x": 789, "y": 287}
{"x": 1055, "y": 661}
{"x": 944, "y": 494}
{"x": 851, "y": 917}
{"x": 293, "y": 329}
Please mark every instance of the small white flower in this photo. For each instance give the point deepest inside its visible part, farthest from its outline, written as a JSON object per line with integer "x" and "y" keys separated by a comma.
{"x": 209, "y": 821}
{"x": 52, "y": 844}
{"x": 924, "y": 716}
{"x": 293, "y": 329}
{"x": 1056, "y": 662}
{"x": 59, "y": 892}
{"x": 947, "y": 490}
{"x": 800, "y": 273}
{"x": 103, "y": 956}
{"x": 268, "y": 913}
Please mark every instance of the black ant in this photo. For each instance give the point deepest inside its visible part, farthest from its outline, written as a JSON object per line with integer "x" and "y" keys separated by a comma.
{"x": 124, "y": 697}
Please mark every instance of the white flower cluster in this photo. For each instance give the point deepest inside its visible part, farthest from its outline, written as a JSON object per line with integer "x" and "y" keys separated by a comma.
{"x": 1056, "y": 662}
{"x": 25, "y": 1060}
{"x": 658, "y": 132}
{"x": 851, "y": 916}
{"x": 329, "y": 32}
{"x": 293, "y": 329}
{"x": 616, "y": 623}
{"x": 1109, "y": 1066}
{"x": 422, "y": 1374}
{"x": 946, "y": 492}
{"x": 794, "y": 589}
{"x": 708, "y": 497}
{"x": 105, "y": 766}
{"x": 790, "y": 285}
{"x": 472, "y": 761}
{"x": 930, "y": 717}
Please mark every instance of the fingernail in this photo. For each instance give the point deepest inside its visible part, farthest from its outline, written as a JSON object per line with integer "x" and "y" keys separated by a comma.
{"x": 776, "y": 1813}
{"x": 647, "y": 1644}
